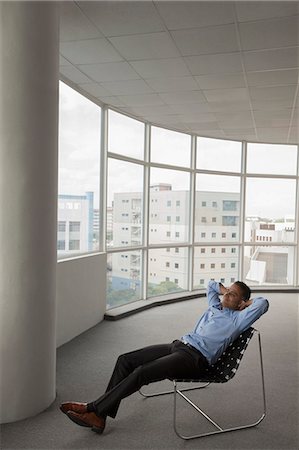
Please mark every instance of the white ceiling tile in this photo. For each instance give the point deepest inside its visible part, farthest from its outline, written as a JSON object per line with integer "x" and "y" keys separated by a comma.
{"x": 117, "y": 18}
{"x": 273, "y": 118}
{"x": 95, "y": 89}
{"x": 163, "y": 119}
{"x": 169, "y": 84}
{"x": 273, "y": 93}
{"x": 229, "y": 106}
{"x": 178, "y": 15}
{"x": 274, "y": 135}
{"x": 213, "y": 81}
{"x": 74, "y": 25}
{"x": 175, "y": 98}
{"x": 266, "y": 34}
{"x": 209, "y": 133}
{"x": 239, "y": 131}
{"x": 235, "y": 120}
{"x": 252, "y": 10}
{"x": 214, "y": 64}
{"x": 226, "y": 95}
{"x": 109, "y": 71}
{"x": 204, "y": 126}
{"x": 271, "y": 105}
{"x": 153, "y": 110}
{"x": 294, "y": 135}
{"x": 199, "y": 117}
{"x": 113, "y": 101}
{"x": 127, "y": 87}
{"x": 200, "y": 41}
{"x": 191, "y": 108}
{"x": 273, "y": 77}
{"x": 282, "y": 58}
{"x": 73, "y": 74}
{"x": 161, "y": 68}
{"x": 89, "y": 51}
{"x": 145, "y": 46}
{"x": 142, "y": 99}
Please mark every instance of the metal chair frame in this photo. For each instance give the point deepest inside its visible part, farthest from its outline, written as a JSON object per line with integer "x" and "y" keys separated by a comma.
{"x": 176, "y": 391}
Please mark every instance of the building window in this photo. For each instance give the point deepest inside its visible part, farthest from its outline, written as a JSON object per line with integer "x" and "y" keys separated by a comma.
{"x": 233, "y": 265}
{"x": 214, "y": 219}
{"x": 202, "y": 266}
{"x": 74, "y": 226}
{"x": 229, "y": 205}
{"x": 176, "y": 281}
{"x": 176, "y": 265}
{"x": 177, "y": 234}
{"x": 167, "y": 279}
{"x": 230, "y": 221}
{"x": 203, "y": 204}
{"x": 222, "y": 280}
{"x": 222, "y": 265}
{"x": 177, "y": 218}
{"x": 212, "y": 266}
{"x": 61, "y": 226}
{"x": 178, "y": 203}
{"x": 167, "y": 264}
{"x": 223, "y": 235}
{"x": 203, "y": 235}
{"x": 223, "y": 250}
{"x": 232, "y": 280}
{"x": 74, "y": 244}
{"x": 233, "y": 250}
{"x": 168, "y": 250}
{"x": 204, "y": 220}
{"x": 202, "y": 281}
{"x": 234, "y": 235}
{"x": 168, "y": 233}
{"x": 168, "y": 202}
{"x": 168, "y": 219}
{"x": 213, "y": 250}
{"x": 60, "y": 245}
{"x": 202, "y": 250}
{"x": 213, "y": 235}
{"x": 214, "y": 204}
{"x": 177, "y": 250}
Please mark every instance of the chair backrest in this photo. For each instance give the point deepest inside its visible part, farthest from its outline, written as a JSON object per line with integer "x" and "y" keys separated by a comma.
{"x": 227, "y": 364}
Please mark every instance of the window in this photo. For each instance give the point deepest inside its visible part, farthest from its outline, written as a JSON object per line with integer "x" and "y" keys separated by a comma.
{"x": 214, "y": 204}
{"x": 233, "y": 250}
{"x": 203, "y": 219}
{"x": 202, "y": 250}
{"x": 74, "y": 227}
{"x": 233, "y": 265}
{"x": 61, "y": 226}
{"x": 168, "y": 202}
{"x": 60, "y": 245}
{"x": 234, "y": 235}
{"x": 177, "y": 234}
{"x": 223, "y": 235}
{"x": 202, "y": 266}
{"x": 168, "y": 233}
{"x": 217, "y": 154}
{"x": 222, "y": 280}
{"x": 203, "y": 204}
{"x": 213, "y": 235}
{"x": 212, "y": 266}
{"x": 74, "y": 244}
{"x": 178, "y": 203}
{"x": 271, "y": 159}
{"x": 168, "y": 250}
{"x": 79, "y": 167}
{"x": 167, "y": 279}
{"x": 176, "y": 281}
{"x": 177, "y": 250}
{"x": 125, "y": 135}
{"x": 170, "y": 147}
{"x": 168, "y": 218}
{"x": 167, "y": 264}
{"x": 232, "y": 280}
{"x": 214, "y": 219}
{"x": 176, "y": 265}
{"x": 223, "y": 250}
{"x": 177, "y": 218}
{"x": 230, "y": 221}
{"x": 230, "y": 205}
{"x": 213, "y": 250}
{"x": 203, "y": 235}
{"x": 202, "y": 281}
{"x": 222, "y": 265}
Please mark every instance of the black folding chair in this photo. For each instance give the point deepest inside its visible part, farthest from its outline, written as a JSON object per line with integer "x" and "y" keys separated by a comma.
{"x": 221, "y": 372}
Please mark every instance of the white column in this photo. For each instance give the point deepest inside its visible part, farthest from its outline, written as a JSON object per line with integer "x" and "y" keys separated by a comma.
{"x": 29, "y": 50}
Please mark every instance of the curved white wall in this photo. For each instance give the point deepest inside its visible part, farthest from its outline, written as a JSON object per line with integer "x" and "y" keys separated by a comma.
{"x": 29, "y": 52}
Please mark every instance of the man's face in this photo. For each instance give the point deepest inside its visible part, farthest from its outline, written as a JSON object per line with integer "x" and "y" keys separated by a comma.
{"x": 233, "y": 297}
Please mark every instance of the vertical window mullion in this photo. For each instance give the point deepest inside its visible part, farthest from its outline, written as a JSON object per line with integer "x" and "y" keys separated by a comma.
{"x": 103, "y": 180}
{"x": 242, "y": 210}
{"x": 146, "y": 205}
{"x": 192, "y": 196}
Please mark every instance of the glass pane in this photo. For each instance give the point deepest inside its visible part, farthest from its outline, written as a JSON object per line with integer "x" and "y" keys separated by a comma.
{"x": 268, "y": 265}
{"x": 124, "y": 207}
{"x": 270, "y": 210}
{"x": 218, "y": 154}
{"x": 123, "y": 278}
{"x": 170, "y": 147}
{"x": 217, "y": 208}
{"x": 79, "y": 173}
{"x": 272, "y": 159}
{"x": 167, "y": 270}
{"x": 169, "y": 206}
{"x": 219, "y": 263}
{"x": 125, "y": 135}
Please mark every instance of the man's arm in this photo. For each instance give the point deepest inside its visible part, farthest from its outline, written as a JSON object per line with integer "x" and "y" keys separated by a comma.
{"x": 213, "y": 292}
{"x": 251, "y": 311}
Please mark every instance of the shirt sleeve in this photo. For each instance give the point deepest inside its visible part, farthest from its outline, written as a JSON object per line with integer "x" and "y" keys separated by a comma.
{"x": 249, "y": 315}
{"x": 213, "y": 292}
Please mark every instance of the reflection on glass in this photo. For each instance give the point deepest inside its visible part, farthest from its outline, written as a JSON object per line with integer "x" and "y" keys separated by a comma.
{"x": 218, "y": 263}
{"x": 125, "y": 135}
{"x": 125, "y": 199}
{"x": 123, "y": 278}
{"x": 169, "y": 206}
{"x": 265, "y": 265}
{"x": 170, "y": 147}
{"x": 79, "y": 173}
{"x": 218, "y": 154}
{"x": 167, "y": 270}
{"x": 270, "y": 210}
{"x": 217, "y": 208}
{"x": 272, "y": 159}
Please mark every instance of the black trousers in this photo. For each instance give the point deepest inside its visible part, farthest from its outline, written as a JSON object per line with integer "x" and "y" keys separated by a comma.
{"x": 147, "y": 365}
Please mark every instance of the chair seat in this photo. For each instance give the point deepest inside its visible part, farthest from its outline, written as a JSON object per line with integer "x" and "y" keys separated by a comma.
{"x": 227, "y": 364}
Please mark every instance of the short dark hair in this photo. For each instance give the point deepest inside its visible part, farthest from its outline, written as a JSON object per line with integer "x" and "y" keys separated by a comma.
{"x": 246, "y": 291}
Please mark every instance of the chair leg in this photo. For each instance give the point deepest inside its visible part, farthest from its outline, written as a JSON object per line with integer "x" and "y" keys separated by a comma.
{"x": 200, "y": 411}
{"x": 171, "y": 391}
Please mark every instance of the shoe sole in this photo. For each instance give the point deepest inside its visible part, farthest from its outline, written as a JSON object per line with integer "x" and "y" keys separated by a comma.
{"x": 80, "y": 422}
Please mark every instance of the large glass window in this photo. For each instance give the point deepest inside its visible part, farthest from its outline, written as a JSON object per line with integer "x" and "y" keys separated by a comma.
{"x": 125, "y": 135}
{"x": 218, "y": 154}
{"x": 169, "y": 206}
{"x": 272, "y": 159}
{"x": 170, "y": 147}
{"x": 270, "y": 210}
{"x": 125, "y": 200}
{"x": 123, "y": 278}
{"x": 79, "y": 173}
{"x": 217, "y": 208}
{"x": 167, "y": 271}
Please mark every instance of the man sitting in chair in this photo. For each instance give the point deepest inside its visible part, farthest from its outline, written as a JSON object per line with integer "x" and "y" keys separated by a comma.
{"x": 220, "y": 324}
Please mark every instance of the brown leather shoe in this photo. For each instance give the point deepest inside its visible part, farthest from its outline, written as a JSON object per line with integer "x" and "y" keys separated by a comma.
{"x": 73, "y": 406}
{"x": 88, "y": 419}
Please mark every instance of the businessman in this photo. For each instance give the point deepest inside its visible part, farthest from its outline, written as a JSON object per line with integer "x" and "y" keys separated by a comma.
{"x": 223, "y": 321}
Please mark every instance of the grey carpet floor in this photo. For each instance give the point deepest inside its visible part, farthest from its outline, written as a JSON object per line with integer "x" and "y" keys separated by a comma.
{"x": 84, "y": 366}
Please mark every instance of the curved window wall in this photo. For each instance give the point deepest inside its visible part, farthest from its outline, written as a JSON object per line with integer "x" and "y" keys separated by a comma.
{"x": 182, "y": 209}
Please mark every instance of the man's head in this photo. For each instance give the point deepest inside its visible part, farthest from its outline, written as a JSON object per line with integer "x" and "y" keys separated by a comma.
{"x": 236, "y": 296}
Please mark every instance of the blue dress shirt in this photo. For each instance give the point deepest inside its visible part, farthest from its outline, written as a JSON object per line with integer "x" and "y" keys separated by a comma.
{"x": 219, "y": 326}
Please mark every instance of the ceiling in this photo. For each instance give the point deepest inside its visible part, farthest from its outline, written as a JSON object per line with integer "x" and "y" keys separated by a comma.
{"x": 218, "y": 69}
